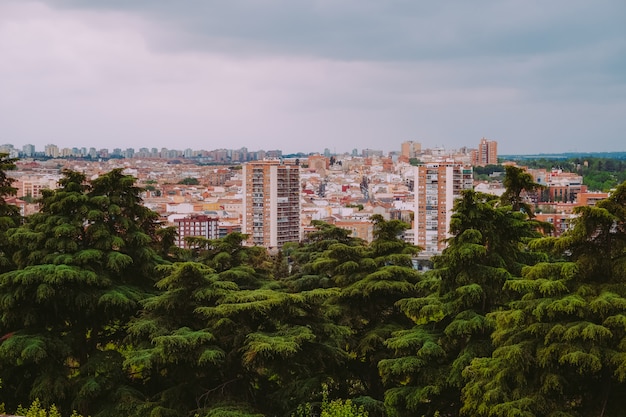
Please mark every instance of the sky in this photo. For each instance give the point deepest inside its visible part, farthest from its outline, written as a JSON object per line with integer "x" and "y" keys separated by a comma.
{"x": 301, "y": 76}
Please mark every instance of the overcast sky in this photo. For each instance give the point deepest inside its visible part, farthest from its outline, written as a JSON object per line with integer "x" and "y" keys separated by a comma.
{"x": 534, "y": 75}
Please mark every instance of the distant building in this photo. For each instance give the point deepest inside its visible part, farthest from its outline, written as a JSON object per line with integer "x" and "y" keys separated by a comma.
{"x": 437, "y": 185}
{"x": 51, "y": 151}
{"x": 486, "y": 154}
{"x": 410, "y": 149}
{"x": 28, "y": 150}
{"x": 271, "y": 203}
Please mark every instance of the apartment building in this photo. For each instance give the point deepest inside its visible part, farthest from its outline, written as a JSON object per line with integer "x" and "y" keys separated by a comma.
{"x": 195, "y": 225}
{"x": 437, "y": 185}
{"x": 486, "y": 154}
{"x": 271, "y": 203}
{"x": 32, "y": 186}
{"x": 410, "y": 149}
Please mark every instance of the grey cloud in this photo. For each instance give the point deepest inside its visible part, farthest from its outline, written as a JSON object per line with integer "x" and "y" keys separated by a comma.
{"x": 296, "y": 74}
{"x": 391, "y": 30}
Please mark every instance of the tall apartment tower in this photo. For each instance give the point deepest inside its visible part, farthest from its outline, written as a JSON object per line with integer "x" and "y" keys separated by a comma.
{"x": 437, "y": 185}
{"x": 271, "y": 203}
{"x": 486, "y": 154}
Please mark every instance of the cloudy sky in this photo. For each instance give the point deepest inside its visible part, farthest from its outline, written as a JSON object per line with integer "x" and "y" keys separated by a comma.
{"x": 535, "y": 75}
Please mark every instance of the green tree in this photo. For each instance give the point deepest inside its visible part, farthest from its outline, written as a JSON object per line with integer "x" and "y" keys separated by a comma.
{"x": 9, "y": 213}
{"x": 370, "y": 278}
{"x": 83, "y": 264}
{"x": 225, "y": 335}
{"x": 450, "y": 310}
{"x": 560, "y": 346}
{"x": 189, "y": 181}
{"x": 518, "y": 185}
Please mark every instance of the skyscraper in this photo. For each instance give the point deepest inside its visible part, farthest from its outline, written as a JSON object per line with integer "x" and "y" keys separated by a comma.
{"x": 437, "y": 185}
{"x": 271, "y": 203}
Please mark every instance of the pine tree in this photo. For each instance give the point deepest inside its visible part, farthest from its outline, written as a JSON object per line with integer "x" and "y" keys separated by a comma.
{"x": 450, "y": 311}
{"x": 370, "y": 279}
{"x": 84, "y": 263}
{"x": 519, "y": 184}
{"x": 9, "y": 213}
{"x": 560, "y": 346}
{"x": 225, "y": 335}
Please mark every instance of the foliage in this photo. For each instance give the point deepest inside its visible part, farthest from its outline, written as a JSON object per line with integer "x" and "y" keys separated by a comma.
{"x": 450, "y": 308}
{"x": 9, "y": 213}
{"x": 36, "y": 410}
{"x": 189, "y": 181}
{"x": 560, "y": 344}
{"x": 101, "y": 313}
{"x": 599, "y": 173}
{"x": 84, "y": 262}
{"x": 331, "y": 408}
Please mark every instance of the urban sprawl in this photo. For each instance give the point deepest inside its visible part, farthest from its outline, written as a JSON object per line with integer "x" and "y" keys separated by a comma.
{"x": 274, "y": 198}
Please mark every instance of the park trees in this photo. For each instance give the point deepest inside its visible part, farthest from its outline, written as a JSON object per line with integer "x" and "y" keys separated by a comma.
{"x": 83, "y": 263}
{"x": 369, "y": 279}
{"x": 450, "y": 307}
{"x": 225, "y": 335}
{"x": 560, "y": 346}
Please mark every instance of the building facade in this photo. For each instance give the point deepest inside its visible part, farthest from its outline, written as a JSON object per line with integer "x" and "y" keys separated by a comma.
{"x": 437, "y": 185}
{"x": 410, "y": 149}
{"x": 271, "y": 203}
{"x": 196, "y": 225}
{"x": 486, "y": 154}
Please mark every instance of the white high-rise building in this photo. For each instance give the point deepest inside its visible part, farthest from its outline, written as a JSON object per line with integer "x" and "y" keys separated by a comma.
{"x": 271, "y": 203}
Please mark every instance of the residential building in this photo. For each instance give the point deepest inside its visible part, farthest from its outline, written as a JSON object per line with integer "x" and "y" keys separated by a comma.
{"x": 486, "y": 154}
{"x": 437, "y": 185}
{"x": 271, "y": 203}
{"x": 32, "y": 186}
{"x": 410, "y": 149}
{"x": 51, "y": 151}
{"x": 195, "y": 225}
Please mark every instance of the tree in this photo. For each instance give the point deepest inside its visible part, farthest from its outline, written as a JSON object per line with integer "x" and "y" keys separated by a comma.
{"x": 9, "y": 213}
{"x": 559, "y": 346}
{"x": 518, "y": 184}
{"x": 189, "y": 181}
{"x": 449, "y": 313}
{"x": 83, "y": 264}
{"x": 225, "y": 335}
{"x": 370, "y": 279}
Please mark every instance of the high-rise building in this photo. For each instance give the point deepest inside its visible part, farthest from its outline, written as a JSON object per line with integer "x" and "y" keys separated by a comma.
{"x": 52, "y": 151}
{"x": 486, "y": 154}
{"x": 437, "y": 185}
{"x": 271, "y": 203}
{"x": 28, "y": 150}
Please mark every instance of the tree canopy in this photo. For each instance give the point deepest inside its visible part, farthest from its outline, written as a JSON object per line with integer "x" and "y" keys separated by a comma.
{"x": 101, "y": 314}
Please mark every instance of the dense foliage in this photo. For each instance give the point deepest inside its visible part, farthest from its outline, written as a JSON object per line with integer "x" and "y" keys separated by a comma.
{"x": 101, "y": 314}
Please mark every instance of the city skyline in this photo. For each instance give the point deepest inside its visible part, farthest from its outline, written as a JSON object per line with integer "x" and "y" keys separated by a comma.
{"x": 303, "y": 76}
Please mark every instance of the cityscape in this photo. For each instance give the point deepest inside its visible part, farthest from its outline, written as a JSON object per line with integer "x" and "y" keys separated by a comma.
{"x": 285, "y": 208}
{"x": 274, "y": 199}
